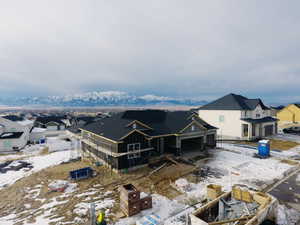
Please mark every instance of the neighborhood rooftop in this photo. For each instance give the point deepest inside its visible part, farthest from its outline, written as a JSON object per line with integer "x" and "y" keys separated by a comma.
{"x": 153, "y": 122}
{"x": 13, "y": 118}
{"x": 47, "y": 119}
{"x": 233, "y": 102}
{"x": 11, "y": 135}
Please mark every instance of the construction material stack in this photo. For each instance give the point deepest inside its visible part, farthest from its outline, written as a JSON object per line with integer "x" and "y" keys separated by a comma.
{"x": 131, "y": 200}
{"x": 214, "y": 191}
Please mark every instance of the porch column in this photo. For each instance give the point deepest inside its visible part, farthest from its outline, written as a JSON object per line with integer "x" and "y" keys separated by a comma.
{"x": 162, "y": 145}
{"x": 178, "y": 142}
{"x": 178, "y": 145}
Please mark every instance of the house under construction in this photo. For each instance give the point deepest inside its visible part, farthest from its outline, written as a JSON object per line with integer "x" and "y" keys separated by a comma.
{"x": 129, "y": 139}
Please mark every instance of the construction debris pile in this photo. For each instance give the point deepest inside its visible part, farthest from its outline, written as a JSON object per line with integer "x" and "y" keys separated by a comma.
{"x": 132, "y": 201}
{"x": 240, "y": 206}
{"x": 15, "y": 166}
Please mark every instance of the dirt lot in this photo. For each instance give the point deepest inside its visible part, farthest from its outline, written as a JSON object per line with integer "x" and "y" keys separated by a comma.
{"x": 15, "y": 198}
{"x": 274, "y": 144}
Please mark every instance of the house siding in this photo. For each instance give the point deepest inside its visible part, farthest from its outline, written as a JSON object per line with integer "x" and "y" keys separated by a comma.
{"x": 290, "y": 114}
{"x": 229, "y": 127}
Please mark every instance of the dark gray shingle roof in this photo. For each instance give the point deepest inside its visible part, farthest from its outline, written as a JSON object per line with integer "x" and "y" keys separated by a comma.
{"x": 233, "y": 102}
{"x": 11, "y": 135}
{"x": 13, "y": 118}
{"x": 161, "y": 122}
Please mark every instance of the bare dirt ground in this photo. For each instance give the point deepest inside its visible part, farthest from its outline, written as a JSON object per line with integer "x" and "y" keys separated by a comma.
{"x": 15, "y": 197}
{"x": 274, "y": 144}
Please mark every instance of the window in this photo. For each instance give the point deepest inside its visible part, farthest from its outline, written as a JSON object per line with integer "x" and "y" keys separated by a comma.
{"x": 257, "y": 115}
{"x": 193, "y": 127}
{"x": 134, "y": 126}
{"x": 245, "y": 130}
{"x": 221, "y": 118}
{"x": 132, "y": 148}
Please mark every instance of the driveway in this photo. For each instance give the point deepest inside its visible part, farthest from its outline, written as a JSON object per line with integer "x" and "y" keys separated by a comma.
{"x": 288, "y": 192}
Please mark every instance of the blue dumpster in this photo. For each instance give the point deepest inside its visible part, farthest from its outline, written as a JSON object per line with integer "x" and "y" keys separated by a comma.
{"x": 264, "y": 148}
{"x": 83, "y": 173}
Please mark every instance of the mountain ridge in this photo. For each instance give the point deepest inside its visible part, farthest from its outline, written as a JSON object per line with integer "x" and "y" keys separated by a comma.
{"x": 102, "y": 98}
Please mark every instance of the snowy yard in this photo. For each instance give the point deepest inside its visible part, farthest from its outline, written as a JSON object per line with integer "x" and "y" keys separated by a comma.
{"x": 31, "y": 154}
{"x": 233, "y": 168}
{"x": 47, "y": 212}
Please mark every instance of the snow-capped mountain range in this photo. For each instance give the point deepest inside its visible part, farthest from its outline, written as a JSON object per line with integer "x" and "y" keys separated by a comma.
{"x": 106, "y": 98}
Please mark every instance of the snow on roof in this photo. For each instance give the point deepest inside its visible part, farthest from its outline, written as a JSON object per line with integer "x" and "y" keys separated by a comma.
{"x": 25, "y": 122}
{"x": 38, "y": 130}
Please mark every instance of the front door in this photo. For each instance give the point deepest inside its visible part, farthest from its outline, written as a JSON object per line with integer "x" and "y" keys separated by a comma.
{"x": 269, "y": 130}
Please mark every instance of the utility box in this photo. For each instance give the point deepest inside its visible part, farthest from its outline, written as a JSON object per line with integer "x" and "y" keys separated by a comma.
{"x": 129, "y": 193}
{"x": 131, "y": 201}
{"x": 146, "y": 203}
{"x": 130, "y": 209}
{"x": 213, "y": 191}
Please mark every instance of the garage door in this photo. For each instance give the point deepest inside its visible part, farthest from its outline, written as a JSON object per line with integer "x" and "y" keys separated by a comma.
{"x": 192, "y": 144}
{"x": 210, "y": 139}
{"x": 268, "y": 130}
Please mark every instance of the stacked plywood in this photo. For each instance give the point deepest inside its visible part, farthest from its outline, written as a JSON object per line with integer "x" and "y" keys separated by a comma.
{"x": 214, "y": 191}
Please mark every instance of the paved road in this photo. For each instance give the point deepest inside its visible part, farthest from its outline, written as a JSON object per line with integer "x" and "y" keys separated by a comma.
{"x": 288, "y": 191}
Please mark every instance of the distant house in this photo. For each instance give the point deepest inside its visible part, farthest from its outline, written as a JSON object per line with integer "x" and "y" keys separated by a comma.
{"x": 238, "y": 117}
{"x": 52, "y": 123}
{"x": 14, "y": 118}
{"x": 84, "y": 120}
{"x": 289, "y": 115}
{"x": 37, "y": 135}
{"x": 14, "y": 135}
{"x": 275, "y": 110}
{"x": 129, "y": 139}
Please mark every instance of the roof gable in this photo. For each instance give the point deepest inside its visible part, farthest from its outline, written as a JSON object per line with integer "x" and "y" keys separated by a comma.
{"x": 297, "y": 105}
{"x": 233, "y": 102}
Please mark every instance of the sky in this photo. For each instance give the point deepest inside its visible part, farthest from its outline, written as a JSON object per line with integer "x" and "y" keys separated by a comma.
{"x": 194, "y": 48}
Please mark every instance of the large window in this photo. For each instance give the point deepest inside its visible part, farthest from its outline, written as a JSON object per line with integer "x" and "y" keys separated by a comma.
{"x": 221, "y": 118}
{"x": 245, "y": 130}
{"x": 132, "y": 148}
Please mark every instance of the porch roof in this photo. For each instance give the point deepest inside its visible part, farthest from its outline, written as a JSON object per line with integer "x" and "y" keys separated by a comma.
{"x": 262, "y": 120}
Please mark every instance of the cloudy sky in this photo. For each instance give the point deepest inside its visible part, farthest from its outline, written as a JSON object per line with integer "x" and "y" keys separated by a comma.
{"x": 173, "y": 48}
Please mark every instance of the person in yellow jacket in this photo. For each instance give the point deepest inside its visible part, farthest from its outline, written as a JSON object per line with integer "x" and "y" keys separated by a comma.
{"x": 101, "y": 219}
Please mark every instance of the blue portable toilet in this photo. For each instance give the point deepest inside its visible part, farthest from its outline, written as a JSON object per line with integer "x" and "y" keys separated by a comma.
{"x": 264, "y": 148}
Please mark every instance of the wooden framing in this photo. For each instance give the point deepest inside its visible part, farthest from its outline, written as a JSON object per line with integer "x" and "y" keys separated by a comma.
{"x": 135, "y": 130}
{"x": 193, "y": 122}
{"x": 116, "y": 142}
{"x": 140, "y": 123}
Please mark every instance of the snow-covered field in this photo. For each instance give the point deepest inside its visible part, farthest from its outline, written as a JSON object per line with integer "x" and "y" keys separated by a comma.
{"x": 31, "y": 155}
